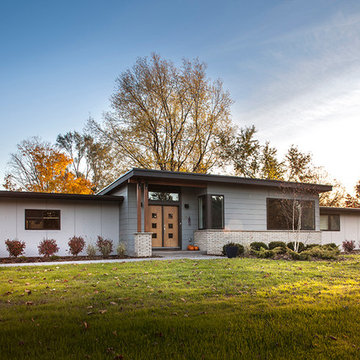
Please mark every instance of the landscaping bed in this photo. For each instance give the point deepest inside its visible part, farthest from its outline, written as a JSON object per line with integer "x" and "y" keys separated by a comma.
{"x": 55, "y": 258}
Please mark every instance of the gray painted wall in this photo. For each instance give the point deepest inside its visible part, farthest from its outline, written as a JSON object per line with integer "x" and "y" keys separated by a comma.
{"x": 77, "y": 218}
{"x": 245, "y": 207}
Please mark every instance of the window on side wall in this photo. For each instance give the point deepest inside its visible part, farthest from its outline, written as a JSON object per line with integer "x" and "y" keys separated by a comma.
{"x": 284, "y": 214}
{"x": 42, "y": 219}
{"x": 330, "y": 222}
{"x": 211, "y": 211}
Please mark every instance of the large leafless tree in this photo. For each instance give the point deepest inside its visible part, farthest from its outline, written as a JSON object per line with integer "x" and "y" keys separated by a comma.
{"x": 167, "y": 117}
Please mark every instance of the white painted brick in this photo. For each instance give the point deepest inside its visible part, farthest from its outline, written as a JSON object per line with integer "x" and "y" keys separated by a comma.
{"x": 142, "y": 244}
{"x": 212, "y": 241}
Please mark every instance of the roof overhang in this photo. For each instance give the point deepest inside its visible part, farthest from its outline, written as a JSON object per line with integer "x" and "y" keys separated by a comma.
{"x": 56, "y": 196}
{"x": 327, "y": 210}
{"x": 202, "y": 180}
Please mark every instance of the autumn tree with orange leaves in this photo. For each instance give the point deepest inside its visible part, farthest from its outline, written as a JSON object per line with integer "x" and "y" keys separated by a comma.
{"x": 39, "y": 166}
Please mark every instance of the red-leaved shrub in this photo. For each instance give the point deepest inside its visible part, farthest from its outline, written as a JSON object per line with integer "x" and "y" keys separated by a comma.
{"x": 15, "y": 247}
{"x": 348, "y": 246}
{"x": 76, "y": 245}
{"x": 48, "y": 247}
{"x": 105, "y": 246}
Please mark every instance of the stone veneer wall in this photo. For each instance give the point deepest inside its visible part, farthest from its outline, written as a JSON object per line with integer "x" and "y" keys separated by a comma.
{"x": 142, "y": 244}
{"x": 212, "y": 241}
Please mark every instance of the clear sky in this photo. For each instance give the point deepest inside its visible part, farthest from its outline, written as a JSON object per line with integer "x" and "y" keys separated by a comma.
{"x": 292, "y": 67}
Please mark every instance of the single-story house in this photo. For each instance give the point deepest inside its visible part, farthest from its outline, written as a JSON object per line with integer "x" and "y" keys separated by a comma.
{"x": 153, "y": 209}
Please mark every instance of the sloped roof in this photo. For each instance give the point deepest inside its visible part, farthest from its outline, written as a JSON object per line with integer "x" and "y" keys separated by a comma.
{"x": 188, "y": 178}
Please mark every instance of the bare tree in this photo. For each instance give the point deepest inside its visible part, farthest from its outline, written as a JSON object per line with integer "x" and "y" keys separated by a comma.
{"x": 167, "y": 117}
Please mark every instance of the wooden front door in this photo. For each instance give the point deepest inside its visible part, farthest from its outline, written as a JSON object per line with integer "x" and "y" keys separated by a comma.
{"x": 163, "y": 222}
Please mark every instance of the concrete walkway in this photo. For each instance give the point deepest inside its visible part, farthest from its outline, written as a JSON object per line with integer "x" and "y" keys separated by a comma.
{"x": 158, "y": 255}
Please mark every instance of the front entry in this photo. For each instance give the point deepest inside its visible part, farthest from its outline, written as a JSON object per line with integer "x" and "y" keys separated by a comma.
{"x": 163, "y": 222}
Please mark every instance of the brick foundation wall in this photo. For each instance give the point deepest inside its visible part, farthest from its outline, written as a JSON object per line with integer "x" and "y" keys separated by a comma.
{"x": 142, "y": 244}
{"x": 212, "y": 241}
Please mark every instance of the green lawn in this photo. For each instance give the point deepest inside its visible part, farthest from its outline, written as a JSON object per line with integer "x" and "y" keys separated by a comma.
{"x": 183, "y": 309}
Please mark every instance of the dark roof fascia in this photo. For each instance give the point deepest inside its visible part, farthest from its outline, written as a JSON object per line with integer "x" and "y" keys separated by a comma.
{"x": 327, "y": 210}
{"x": 57, "y": 196}
{"x": 206, "y": 178}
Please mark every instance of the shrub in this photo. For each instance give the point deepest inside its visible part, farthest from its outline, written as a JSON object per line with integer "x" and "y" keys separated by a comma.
{"x": 15, "y": 247}
{"x": 320, "y": 252}
{"x": 310, "y": 246}
{"x": 348, "y": 246}
{"x": 76, "y": 245}
{"x": 293, "y": 254}
{"x": 291, "y": 246}
{"x": 121, "y": 250}
{"x": 331, "y": 246}
{"x": 276, "y": 244}
{"x": 48, "y": 247}
{"x": 257, "y": 245}
{"x": 264, "y": 253}
{"x": 91, "y": 250}
{"x": 105, "y": 246}
{"x": 240, "y": 247}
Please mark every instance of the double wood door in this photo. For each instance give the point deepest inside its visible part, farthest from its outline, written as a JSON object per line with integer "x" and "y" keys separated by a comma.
{"x": 163, "y": 222}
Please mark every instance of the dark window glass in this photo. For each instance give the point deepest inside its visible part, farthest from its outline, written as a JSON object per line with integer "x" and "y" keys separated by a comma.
{"x": 42, "y": 219}
{"x": 217, "y": 211}
{"x": 170, "y": 226}
{"x": 334, "y": 222}
{"x": 330, "y": 222}
{"x": 211, "y": 212}
{"x": 153, "y": 225}
{"x": 170, "y": 216}
{"x": 163, "y": 196}
{"x": 154, "y": 215}
{"x": 285, "y": 214}
{"x": 154, "y": 236}
{"x": 171, "y": 235}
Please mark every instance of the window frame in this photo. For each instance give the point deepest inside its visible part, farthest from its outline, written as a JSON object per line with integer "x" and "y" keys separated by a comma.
{"x": 26, "y": 216}
{"x": 268, "y": 200}
{"x": 208, "y": 214}
{"x": 329, "y": 222}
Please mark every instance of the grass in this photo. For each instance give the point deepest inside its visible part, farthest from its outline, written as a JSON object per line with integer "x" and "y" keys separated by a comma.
{"x": 183, "y": 309}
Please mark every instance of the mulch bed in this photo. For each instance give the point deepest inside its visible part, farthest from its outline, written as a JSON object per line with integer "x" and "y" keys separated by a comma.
{"x": 38, "y": 259}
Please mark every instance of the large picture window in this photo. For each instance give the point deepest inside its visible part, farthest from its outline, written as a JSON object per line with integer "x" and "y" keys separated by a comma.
{"x": 330, "y": 222}
{"x": 290, "y": 214}
{"x": 211, "y": 212}
{"x": 42, "y": 219}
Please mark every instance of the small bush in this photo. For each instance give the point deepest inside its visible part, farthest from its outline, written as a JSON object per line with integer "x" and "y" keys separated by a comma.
{"x": 276, "y": 244}
{"x": 348, "y": 246}
{"x": 105, "y": 246}
{"x": 320, "y": 252}
{"x": 257, "y": 245}
{"x": 121, "y": 250}
{"x": 15, "y": 247}
{"x": 331, "y": 246}
{"x": 310, "y": 246}
{"x": 293, "y": 254}
{"x": 263, "y": 253}
{"x": 291, "y": 246}
{"x": 91, "y": 250}
{"x": 240, "y": 247}
{"x": 76, "y": 245}
{"x": 48, "y": 247}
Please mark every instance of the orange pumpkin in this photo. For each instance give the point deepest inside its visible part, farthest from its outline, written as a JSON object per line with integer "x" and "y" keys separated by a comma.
{"x": 190, "y": 247}
{"x": 196, "y": 248}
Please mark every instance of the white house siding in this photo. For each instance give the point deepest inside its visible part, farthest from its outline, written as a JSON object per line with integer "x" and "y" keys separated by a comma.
{"x": 245, "y": 206}
{"x": 77, "y": 218}
{"x": 349, "y": 230}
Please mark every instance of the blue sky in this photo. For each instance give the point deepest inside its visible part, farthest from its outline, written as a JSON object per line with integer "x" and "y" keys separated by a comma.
{"x": 292, "y": 67}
